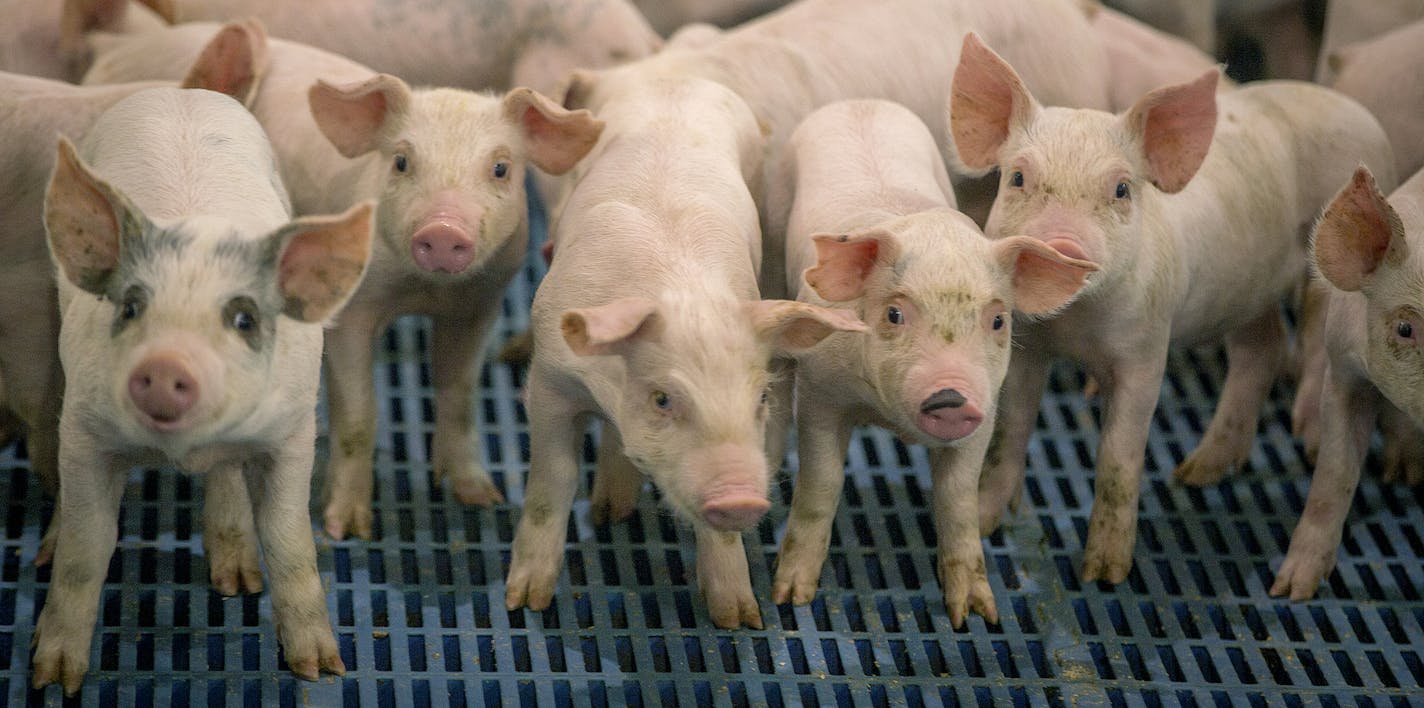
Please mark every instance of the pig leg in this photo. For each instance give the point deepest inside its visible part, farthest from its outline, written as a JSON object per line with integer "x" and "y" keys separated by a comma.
{"x": 455, "y": 362}
{"x": 555, "y": 432}
{"x": 229, "y": 538}
{"x": 1403, "y": 446}
{"x": 778, "y": 418}
{"x": 961, "y": 554}
{"x": 1310, "y": 338}
{"x": 279, "y": 485}
{"x": 822, "y": 436}
{"x": 1347, "y": 419}
{"x": 1001, "y": 481}
{"x": 1254, "y": 355}
{"x": 33, "y": 382}
{"x": 89, "y": 524}
{"x": 351, "y": 403}
{"x": 725, "y": 580}
{"x": 1130, "y": 389}
{"x": 616, "y": 482}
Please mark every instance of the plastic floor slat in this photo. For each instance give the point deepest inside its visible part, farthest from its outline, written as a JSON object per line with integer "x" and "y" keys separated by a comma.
{"x": 419, "y": 611}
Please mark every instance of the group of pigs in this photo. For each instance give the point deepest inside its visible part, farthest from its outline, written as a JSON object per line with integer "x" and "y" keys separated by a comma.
{"x": 792, "y": 214}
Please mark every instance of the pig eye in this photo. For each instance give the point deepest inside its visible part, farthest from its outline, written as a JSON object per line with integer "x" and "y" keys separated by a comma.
{"x": 662, "y": 401}
{"x": 894, "y": 315}
{"x": 1016, "y": 179}
{"x": 243, "y": 321}
{"x": 128, "y": 311}
{"x": 131, "y": 306}
{"x": 1404, "y": 330}
{"x": 401, "y": 163}
{"x": 1122, "y": 190}
{"x": 998, "y": 323}
{"x": 501, "y": 170}
{"x": 240, "y": 315}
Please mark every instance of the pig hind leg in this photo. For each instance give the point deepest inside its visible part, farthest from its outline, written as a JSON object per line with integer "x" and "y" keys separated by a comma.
{"x": 229, "y": 538}
{"x": 1254, "y": 355}
{"x": 1310, "y": 370}
{"x": 617, "y": 484}
{"x": 456, "y": 359}
{"x": 822, "y": 437}
{"x": 1001, "y": 480}
{"x": 351, "y": 402}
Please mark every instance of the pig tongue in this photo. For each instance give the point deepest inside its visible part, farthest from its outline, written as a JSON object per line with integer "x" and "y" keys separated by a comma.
{"x": 1067, "y": 247}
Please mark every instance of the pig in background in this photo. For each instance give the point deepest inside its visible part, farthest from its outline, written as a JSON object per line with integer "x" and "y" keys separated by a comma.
{"x": 874, "y": 230}
{"x": 447, "y": 167}
{"x": 473, "y": 44}
{"x": 45, "y": 38}
{"x": 1141, "y": 58}
{"x": 1194, "y": 204}
{"x": 193, "y": 308}
{"x": 1371, "y": 253}
{"x": 1350, "y": 22}
{"x": 33, "y": 113}
{"x": 650, "y": 318}
{"x": 670, "y": 16}
{"x": 1386, "y": 75}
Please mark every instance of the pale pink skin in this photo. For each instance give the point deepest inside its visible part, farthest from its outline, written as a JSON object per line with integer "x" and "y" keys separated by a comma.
{"x": 245, "y": 414}
{"x": 495, "y": 44}
{"x": 1142, "y": 58}
{"x": 675, "y": 359}
{"x": 1382, "y": 74}
{"x": 1370, "y": 253}
{"x": 45, "y": 38}
{"x": 669, "y": 16}
{"x": 1188, "y": 255}
{"x": 870, "y": 183}
{"x": 1351, "y": 21}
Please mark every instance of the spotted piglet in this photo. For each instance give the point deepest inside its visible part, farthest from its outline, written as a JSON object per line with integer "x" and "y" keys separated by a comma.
{"x": 874, "y": 230}
{"x": 191, "y": 334}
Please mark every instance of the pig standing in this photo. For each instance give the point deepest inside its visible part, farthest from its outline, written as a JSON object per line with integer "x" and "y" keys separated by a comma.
{"x": 201, "y": 349}
{"x": 1195, "y": 216}
{"x": 45, "y": 38}
{"x": 874, "y": 230}
{"x": 649, "y": 318}
{"x": 475, "y": 44}
{"x": 34, "y": 112}
{"x": 1371, "y": 253}
{"x": 452, "y": 222}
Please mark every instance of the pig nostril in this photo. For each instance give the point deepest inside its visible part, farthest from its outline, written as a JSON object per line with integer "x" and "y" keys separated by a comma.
{"x": 943, "y": 398}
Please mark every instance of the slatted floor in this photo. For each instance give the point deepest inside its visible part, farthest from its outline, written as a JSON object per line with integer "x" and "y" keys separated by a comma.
{"x": 419, "y": 613}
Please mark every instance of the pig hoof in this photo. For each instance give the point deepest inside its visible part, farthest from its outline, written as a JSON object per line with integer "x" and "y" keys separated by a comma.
{"x": 1195, "y": 474}
{"x": 311, "y": 651}
{"x": 731, "y": 609}
{"x": 61, "y": 655}
{"x": 527, "y": 587}
{"x": 1099, "y": 565}
{"x": 1300, "y": 575}
{"x": 232, "y": 562}
{"x": 796, "y": 580}
{"x": 341, "y": 518}
{"x": 612, "y": 506}
{"x": 477, "y": 491}
{"x": 966, "y": 589}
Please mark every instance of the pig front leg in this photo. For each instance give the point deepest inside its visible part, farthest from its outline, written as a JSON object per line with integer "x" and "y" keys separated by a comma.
{"x": 961, "y": 571}
{"x": 1130, "y": 388}
{"x": 724, "y": 579}
{"x": 1403, "y": 446}
{"x": 780, "y": 399}
{"x": 88, "y": 514}
{"x": 555, "y": 433}
{"x": 617, "y": 484}
{"x": 1347, "y": 418}
{"x": 822, "y": 436}
{"x": 1001, "y": 481}
{"x": 280, "y": 488}
{"x": 1310, "y": 375}
{"x": 1254, "y": 354}
{"x": 351, "y": 408}
{"x": 455, "y": 362}
{"x": 229, "y": 538}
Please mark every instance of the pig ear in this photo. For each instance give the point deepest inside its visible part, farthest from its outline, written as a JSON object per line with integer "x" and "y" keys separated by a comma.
{"x": 86, "y": 221}
{"x": 987, "y": 100}
{"x": 845, "y": 261}
{"x": 233, "y": 62}
{"x": 1174, "y": 125}
{"x": 320, "y": 261}
{"x": 574, "y": 90}
{"x": 793, "y": 326}
{"x": 1044, "y": 279}
{"x": 555, "y": 138}
{"x": 591, "y": 331}
{"x": 353, "y": 116}
{"x": 163, "y": 8}
{"x": 1357, "y": 232}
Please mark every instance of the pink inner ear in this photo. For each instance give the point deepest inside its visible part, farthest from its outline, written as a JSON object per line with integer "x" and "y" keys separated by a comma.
{"x": 227, "y": 65}
{"x": 83, "y": 229}
{"x": 1044, "y": 279}
{"x": 350, "y": 122}
{"x": 323, "y": 261}
{"x": 842, "y": 267}
{"x": 597, "y": 330}
{"x": 1177, "y": 129}
{"x": 554, "y": 138}
{"x": 1355, "y": 232}
{"x": 982, "y": 103}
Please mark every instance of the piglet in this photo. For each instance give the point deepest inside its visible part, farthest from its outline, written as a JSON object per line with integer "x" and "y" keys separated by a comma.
{"x": 46, "y": 38}
{"x": 191, "y": 334}
{"x": 1383, "y": 75}
{"x": 1370, "y": 251}
{"x": 1195, "y": 206}
{"x": 874, "y": 230}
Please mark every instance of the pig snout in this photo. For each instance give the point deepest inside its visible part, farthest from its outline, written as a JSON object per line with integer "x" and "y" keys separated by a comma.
{"x": 164, "y": 390}
{"x": 441, "y": 246}
{"x": 735, "y": 499}
{"x": 735, "y": 511}
{"x": 947, "y": 415}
